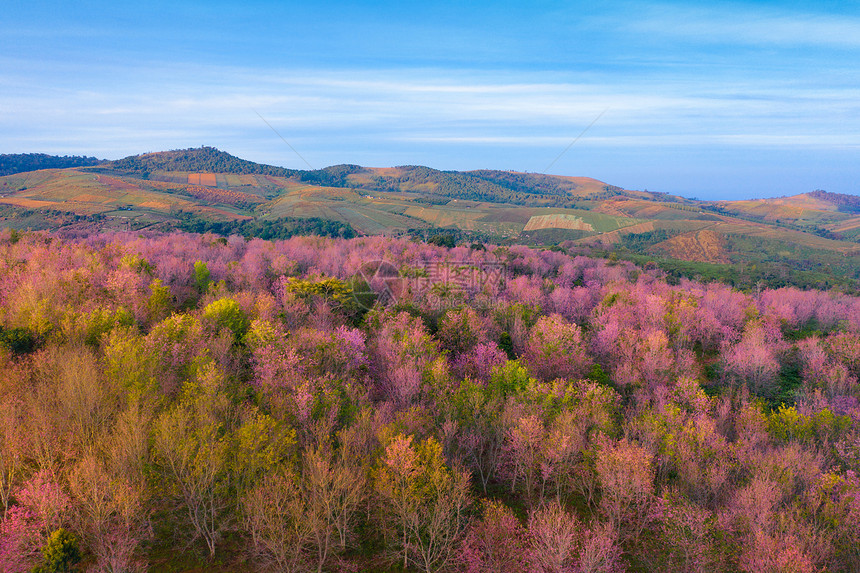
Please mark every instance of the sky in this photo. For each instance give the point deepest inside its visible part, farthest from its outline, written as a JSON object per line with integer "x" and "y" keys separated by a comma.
{"x": 712, "y": 100}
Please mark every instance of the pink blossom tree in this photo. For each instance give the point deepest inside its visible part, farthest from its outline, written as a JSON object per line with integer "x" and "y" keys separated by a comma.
{"x": 753, "y": 360}
{"x": 556, "y": 349}
{"x": 42, "y": 508}
{"x": 402, "y": 350}
{"x": 497, "y": 542}
{"x": 626, "y": 475}
{"x": 560, "y": 543}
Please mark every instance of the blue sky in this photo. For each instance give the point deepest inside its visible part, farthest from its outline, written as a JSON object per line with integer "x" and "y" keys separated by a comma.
{"x": 728, "y": 100}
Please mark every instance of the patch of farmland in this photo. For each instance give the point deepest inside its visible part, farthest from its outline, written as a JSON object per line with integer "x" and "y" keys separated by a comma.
{"x": 159, "y": 205}
{"x": 207, "y": 179}
{"x": 373, "y": 221}
{"x": 600, "y": 222}
{"x": 704, "y": 246}
{"x": 90, "y": 198}
{"x": 613, "y": 237}
{"x": 446, "y": 217}
{"x": 846, "y": 226}
{"x": 116, "y": 183}
{"x": 29, "y": 203}
{"x": 557, "y": 221}
{"x": 520, "y": 216}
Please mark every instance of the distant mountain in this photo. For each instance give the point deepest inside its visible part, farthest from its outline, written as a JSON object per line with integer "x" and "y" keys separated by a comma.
{"x": 450, "y": 184}
{"x": 528, "y": 189}
{"x": 23, "y": 162}
{"x": 199, "y": 159}
{"x": 542, "y": 184}
{"x": 812, "y": 239}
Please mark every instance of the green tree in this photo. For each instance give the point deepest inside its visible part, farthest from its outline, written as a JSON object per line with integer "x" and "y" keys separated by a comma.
{"x": 201, "y": 276}
{"x": 61, "y": 553}
{"x": 226, "y": 313}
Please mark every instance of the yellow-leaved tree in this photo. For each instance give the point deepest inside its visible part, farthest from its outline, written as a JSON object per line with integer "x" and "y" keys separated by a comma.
{"x": 423, "y": 503}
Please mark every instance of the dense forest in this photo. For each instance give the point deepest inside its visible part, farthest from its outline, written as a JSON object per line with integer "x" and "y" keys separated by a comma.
{"x": 269, "y": 229}
{"x": 186, "y": 402}
{"x": 21, "y": 162}
{"x": 449, "y": 184}
{"x": 540, "y": 184}
{"x": 489, "y": 186}
{"x": 200, "y": 159}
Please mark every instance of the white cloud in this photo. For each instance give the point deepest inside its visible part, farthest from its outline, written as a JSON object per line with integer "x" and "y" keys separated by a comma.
{"x": 734, "y": 23}
{"x": 153, "y": 107}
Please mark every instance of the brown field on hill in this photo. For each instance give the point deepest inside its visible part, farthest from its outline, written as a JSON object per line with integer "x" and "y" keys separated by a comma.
{"x": 65, "y": 206}
{"x": 116, "y": 183}
{"x": 651, "y": 211}
{"x": 29, "y": 203}
{"x": 160, "y": 205}
{"x": 702, "y": 246}
{"x": 207, "y": 179}
{"x": 643, "y": 209}
{"x": 801, "y": 209}
{"x": 781, "y": 206}
{"x": 848, "y": 225}
{"x": 557, "y": 221}
{"x": 209, "y": 194}
{"x": 88, "y": 194}
{"x": 384, "y": 171}
{"x": 64, "y": 185}
{"x": 310, "y": 193}
{"x": 582, "y": 186}
{"x": 610, "y": 207}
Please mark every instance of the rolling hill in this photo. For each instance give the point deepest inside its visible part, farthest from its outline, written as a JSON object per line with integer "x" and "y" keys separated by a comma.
{"x": 816, "y": 233}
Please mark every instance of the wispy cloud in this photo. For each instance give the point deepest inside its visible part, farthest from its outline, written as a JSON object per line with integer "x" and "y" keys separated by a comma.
{"x": 428, "y": 106}
{"x": 749, "y": 24}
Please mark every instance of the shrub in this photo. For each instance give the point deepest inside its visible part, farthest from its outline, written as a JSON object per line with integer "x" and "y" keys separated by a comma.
{"x": 61, "y": 553}
{"x": 19, "y": 340}
{"x": 226, "y": 313}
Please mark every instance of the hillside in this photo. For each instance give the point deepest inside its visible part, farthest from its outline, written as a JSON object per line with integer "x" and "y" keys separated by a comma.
{"x": 809, "y": 239}
{"x": 483, "y": 185}
{"x": 831, "y": 215}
